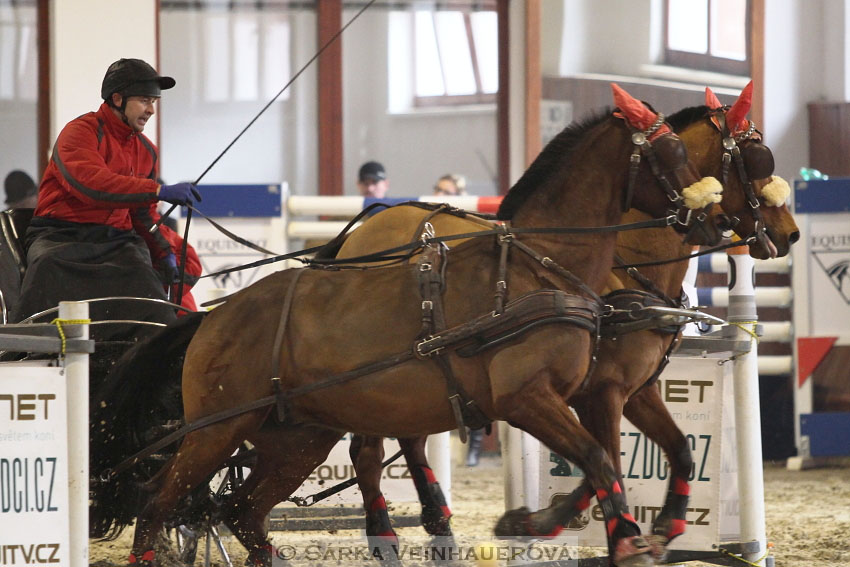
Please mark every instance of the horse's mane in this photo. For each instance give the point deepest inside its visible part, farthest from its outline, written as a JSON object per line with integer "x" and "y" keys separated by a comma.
{"x": 686, "y": 117}
{"x": 557, "y": 150}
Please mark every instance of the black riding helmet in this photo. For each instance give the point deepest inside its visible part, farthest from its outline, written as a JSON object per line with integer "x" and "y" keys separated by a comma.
{"x": 133, "y": 77}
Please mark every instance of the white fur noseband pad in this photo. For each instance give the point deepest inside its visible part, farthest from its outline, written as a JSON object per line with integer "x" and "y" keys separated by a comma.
{"x": 776, "y": 193}
{"x": 702, "y": 193}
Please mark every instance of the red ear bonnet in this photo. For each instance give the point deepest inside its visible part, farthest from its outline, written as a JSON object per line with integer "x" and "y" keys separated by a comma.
{"x": 711, "y": 100}
{"x": 634, "y": 111}
{"x": 736, "y": 117}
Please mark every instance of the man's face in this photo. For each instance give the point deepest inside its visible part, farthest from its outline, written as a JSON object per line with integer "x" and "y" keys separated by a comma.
{"x": 445, "y": 187}
{"x": 138, "y": 111}
{"x": 371, "y": 187}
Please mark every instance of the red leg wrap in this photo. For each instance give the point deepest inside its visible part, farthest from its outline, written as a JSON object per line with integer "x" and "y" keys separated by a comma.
{"x": 378, "y": 503}
{"x": 681, "y": 487}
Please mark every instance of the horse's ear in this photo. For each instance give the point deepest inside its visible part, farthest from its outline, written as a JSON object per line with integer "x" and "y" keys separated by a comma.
{"x": 711, "y": 100}
{"x": 736, "y": 117}
{"x": 632, "y": 109}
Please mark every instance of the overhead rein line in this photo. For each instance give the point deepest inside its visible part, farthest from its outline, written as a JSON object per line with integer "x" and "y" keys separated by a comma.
{"x": 183, "y": 249}
{"x": 268, "y": 104}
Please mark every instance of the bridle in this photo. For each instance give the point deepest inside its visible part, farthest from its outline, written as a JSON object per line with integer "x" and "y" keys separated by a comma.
{"x": 642, "y": 142}
{"x": 732, "y": 154}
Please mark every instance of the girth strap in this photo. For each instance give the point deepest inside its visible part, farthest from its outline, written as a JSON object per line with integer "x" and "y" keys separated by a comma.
{"x": 431, "y": 267}
{"x": 278, "y": 344}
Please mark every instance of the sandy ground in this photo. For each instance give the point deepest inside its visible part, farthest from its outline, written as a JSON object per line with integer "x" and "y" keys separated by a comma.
{"x": 808, "y": 520}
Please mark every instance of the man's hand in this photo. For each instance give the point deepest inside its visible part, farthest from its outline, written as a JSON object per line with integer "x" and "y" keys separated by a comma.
{"x": 169, "y": 269}
{"x": 179, "y": 193}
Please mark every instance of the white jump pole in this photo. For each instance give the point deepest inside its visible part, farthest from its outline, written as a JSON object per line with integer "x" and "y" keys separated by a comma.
{"x": 77, "y": 376}
{"x": 438, "y": 450}
{"x": 520, "y": 463}
{"x": 742, "y": 311}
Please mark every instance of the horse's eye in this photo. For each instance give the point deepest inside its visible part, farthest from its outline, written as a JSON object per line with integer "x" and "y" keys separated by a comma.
{"x": 671, "y": 152}
{"x": 758, "y": 160}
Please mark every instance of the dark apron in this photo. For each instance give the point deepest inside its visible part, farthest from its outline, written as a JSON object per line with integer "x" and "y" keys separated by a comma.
{"x": 69, "y": 261}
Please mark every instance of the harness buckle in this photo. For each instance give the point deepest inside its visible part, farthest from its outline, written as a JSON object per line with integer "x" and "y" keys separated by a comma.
{"x": 501, "y": 285}
{"x": 425, "y": 267}
{"x": 427, "y": 305}
{"x": 421, "y": 348}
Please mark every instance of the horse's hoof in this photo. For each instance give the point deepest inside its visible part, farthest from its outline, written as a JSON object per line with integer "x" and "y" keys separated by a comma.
{"x": 633, "y": 551}
{"x": 261, "y": 556}
{"x": 513, "y": 524}
{"x": 658, "y": 545}
{"x": 435, "y": 523}
{"x": 384, "y": 548}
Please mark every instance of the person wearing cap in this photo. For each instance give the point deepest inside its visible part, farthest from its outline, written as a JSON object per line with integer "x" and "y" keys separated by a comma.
{"x": 21, "y": 192}
{"x": 372, "y": 180}
{"x": 89, "y": 236}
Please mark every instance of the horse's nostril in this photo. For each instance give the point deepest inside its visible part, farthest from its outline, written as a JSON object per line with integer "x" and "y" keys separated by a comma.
{"x": 794, "y": 236}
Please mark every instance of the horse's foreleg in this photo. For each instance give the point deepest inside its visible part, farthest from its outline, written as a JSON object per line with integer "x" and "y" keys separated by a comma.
{"x": 200, "y": 453}
{"x": 435, "y": 511}
{"x": 538, "y": 410}
{"x": 285, "y": 458}
{"x": 646, "y": 410}
{"x": 367, "y": 455}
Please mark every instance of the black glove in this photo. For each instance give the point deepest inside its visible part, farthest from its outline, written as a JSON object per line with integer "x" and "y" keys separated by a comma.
{"x": 179, "y": 193}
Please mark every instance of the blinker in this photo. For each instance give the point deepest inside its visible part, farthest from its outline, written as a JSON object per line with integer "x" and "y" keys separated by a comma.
{"x": 671, "y": 152}
{"x": 758, "y": 161}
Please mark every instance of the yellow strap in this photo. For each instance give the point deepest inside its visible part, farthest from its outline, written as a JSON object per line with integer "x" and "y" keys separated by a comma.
{"x": 744, "y": 561}
{"x": 751, "y": 332}
{"x": 59, "y": 322}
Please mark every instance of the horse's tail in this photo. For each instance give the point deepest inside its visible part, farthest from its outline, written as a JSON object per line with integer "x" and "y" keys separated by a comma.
{"x": 139, "y": 401}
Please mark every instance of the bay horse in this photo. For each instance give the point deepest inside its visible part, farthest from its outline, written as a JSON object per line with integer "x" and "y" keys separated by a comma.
{"x": 334, "y": 326}
{"x": 618, "y": 384}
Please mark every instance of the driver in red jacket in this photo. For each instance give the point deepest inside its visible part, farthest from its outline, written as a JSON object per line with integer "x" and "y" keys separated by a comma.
{"x": 89, "y": 236}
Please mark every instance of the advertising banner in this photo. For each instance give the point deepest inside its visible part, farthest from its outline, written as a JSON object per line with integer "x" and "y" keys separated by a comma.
{"x": 698, "y": 394}
{"x": 33, "y": 467}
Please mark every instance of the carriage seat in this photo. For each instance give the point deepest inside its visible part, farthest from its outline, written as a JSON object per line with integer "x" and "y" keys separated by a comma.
{"x": 13, "y": 226}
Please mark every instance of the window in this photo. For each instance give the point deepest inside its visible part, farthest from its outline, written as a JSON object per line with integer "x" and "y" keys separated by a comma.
{"x": 18, "y": 54}
{"x": 246, "y": 48}
{"x": 710, "y": 35}
{"x": 456, "y": 55}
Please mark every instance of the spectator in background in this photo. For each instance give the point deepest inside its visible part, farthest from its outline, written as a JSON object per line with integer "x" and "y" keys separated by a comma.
{"x": 21, "y": 192}
{"x": 372, "y": 180}
{"x": 450, "y": 185}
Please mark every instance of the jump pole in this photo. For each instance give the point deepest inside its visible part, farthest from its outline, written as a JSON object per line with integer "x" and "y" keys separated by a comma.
{"x": 77, "y": 376}
{"x": 743, "y": 318}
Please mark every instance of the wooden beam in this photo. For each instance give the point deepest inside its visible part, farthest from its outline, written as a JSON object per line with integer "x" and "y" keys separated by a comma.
{"x": 503, "y": 131}
{"x": 331, "y": 178}
{"x": 533, "y": 80}
{"x": 756, "y": 57}
{"x": 43, "y": 140}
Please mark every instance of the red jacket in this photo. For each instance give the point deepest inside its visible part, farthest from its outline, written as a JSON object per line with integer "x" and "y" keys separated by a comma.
{"x": 100, "y": 170}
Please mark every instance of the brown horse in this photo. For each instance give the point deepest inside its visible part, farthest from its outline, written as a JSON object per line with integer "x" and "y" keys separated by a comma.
{"x": 625, "y": 365}
{"x": 333, "y": 326}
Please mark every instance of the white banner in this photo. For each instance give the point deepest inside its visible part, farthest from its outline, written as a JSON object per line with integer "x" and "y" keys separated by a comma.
{"x": 698, "y": 393}
{"x": 33, "y": 467}
{"x": 218, "y": 252}
{"x": 396, "y": 482}
{"x": 829, "y": 274}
